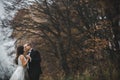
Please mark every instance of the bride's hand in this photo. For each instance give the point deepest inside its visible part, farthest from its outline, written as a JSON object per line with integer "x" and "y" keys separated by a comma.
{"x": 28, "y": 57}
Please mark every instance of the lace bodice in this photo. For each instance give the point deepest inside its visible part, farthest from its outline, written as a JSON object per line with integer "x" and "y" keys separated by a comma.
{"x": 19, "y": 61}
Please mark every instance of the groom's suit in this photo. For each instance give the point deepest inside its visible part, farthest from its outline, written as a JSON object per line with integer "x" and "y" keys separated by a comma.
{"x": 34, "y": 67}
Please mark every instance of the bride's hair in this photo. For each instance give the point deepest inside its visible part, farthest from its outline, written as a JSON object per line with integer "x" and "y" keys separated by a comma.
{"x": 20, "y": 50}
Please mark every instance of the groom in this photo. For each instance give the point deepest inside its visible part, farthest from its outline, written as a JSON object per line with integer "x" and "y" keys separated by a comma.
{"x": 34, "y": 68}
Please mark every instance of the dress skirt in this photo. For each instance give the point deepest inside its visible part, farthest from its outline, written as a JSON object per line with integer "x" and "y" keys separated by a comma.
{"x": 19, "y": 74}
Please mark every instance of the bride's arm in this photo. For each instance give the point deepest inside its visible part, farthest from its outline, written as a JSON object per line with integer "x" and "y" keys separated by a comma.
{"x": 23, "y": 60}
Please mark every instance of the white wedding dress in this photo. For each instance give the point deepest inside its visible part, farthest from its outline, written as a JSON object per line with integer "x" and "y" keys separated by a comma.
{"x": 19, "y": 73}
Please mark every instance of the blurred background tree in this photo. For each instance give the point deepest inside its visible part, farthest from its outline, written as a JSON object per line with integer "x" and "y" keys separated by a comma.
{"x": 78, "y": 39}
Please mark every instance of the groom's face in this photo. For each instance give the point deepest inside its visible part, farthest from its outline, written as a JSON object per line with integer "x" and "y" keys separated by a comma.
{"x": 26, "y": 47}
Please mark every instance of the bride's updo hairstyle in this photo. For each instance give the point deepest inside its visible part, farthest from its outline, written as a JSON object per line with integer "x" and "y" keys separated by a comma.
{"x": 20, "y": 50}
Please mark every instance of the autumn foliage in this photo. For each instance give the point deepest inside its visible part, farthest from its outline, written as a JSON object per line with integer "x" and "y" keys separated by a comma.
{"x": 75, "y": 38}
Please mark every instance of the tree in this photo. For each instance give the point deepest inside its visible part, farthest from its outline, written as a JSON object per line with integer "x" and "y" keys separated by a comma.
{"x": 75, "y": 32}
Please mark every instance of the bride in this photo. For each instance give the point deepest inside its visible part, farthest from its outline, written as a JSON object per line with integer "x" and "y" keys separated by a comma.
{"x": 21, "y": 61}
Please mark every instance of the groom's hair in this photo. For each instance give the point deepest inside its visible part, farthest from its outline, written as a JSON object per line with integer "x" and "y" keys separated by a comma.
{"x": 29, "y": 44}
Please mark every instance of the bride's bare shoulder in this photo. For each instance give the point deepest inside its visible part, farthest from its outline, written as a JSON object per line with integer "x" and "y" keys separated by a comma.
{"x": 21, "y": 56}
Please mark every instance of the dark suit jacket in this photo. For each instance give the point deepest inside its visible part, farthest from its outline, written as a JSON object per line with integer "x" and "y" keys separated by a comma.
{"x": 34, "y": 64}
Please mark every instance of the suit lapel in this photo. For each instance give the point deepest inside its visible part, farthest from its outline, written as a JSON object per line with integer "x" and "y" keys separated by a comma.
{"x": 30, "y": 52}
